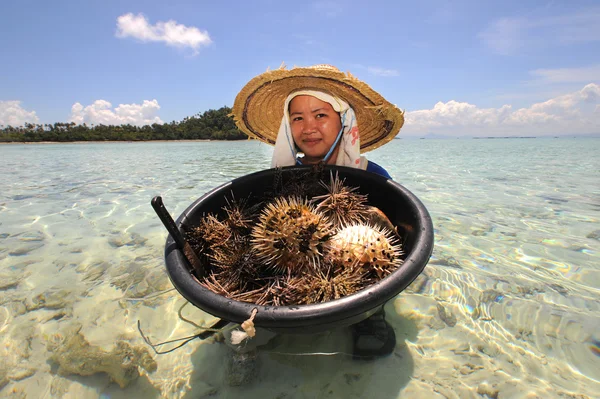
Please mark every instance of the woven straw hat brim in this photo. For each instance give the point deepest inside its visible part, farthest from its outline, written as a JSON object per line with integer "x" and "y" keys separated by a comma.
{"x": 258, "y": 107}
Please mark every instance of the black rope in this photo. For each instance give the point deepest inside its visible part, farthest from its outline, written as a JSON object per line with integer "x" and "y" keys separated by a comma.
{"x": 203, "y": 335}
{"x": 183, "y": 318}
{"x": 154, "y": 346}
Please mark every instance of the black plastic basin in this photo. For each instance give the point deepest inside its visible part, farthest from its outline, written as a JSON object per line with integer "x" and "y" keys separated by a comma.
{"x": 403, "y": 209}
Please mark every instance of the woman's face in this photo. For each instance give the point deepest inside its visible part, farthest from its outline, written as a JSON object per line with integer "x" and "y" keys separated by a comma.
{"x": 315, "y": 126}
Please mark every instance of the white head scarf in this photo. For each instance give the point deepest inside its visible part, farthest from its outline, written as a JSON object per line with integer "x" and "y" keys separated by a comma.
{"x": 284, "y": 153}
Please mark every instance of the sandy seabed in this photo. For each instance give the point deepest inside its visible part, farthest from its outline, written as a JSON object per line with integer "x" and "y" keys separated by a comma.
{"x": 506, "y": 308}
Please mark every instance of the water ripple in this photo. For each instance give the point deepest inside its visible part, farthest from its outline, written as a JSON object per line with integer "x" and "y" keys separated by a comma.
{"x": 509, "y": 300}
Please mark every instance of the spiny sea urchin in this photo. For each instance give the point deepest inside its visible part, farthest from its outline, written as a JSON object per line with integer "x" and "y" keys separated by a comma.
{"x": 325, "y": 284}
{"x": 207, "y": 236}
{"x": 305, "y": 242}
{"x": 211, "y": 230}
{"x": 232, "y": 255}
{"x": 238, "y": 218}
{"x": 363, "y": 246}
{"x": 342, "y": 205}
{"x": 290, "y": 234}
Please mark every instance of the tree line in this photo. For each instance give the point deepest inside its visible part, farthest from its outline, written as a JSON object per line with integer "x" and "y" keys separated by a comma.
{"x": 210, "y": 125}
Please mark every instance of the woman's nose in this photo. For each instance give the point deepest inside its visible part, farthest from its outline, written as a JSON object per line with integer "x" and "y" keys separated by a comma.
{"x": 309, "y": 125}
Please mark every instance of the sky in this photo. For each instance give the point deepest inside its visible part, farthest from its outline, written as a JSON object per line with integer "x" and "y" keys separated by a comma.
{"x": 457, "y": 68}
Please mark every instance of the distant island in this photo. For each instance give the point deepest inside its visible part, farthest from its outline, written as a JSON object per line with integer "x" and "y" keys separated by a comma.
{"x": 506, "y": 137}
{"x": 446, "y": 137}
{"x": 210, "y": 125}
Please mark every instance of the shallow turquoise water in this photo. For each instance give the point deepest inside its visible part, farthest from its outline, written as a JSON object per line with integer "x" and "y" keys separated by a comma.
{"x": 509, "y": 302}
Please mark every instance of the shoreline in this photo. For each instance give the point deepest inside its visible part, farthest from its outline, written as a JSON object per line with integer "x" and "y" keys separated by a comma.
{"x": 114, "y": 141}
{"x": 241, "y": 140}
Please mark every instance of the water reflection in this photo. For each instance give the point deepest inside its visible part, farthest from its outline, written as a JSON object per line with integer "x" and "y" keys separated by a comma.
{"x": 507, "y": 307}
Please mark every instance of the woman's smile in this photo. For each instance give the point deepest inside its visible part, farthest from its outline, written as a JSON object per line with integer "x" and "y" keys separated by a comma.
{"x": 315, "y": 126}
{"x": 312, "y": 141}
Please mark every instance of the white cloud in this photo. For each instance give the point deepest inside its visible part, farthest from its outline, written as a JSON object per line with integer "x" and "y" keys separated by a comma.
{"x": 573, "y": 113}
{"x": 382, "y": 72}
{"x": 12, "y": 114}
{"x": 567, "y": 75}
{"x": 504, "y": 36}
{"x": 507, "y": 35}
{"x": 100, "y": 112}
{"x": 377, "y": 71}
{"x": 170, "y": 32}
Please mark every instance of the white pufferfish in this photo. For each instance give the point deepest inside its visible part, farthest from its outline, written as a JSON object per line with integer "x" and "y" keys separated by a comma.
{"x": 365, "y": 245}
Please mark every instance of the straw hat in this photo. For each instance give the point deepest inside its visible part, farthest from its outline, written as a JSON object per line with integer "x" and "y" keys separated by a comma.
{"x": 258, "y": 108}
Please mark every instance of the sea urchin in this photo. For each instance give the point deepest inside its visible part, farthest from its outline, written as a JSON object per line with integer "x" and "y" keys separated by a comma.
{"x": 342, "y": 204}
{"x": 290, "y": 234}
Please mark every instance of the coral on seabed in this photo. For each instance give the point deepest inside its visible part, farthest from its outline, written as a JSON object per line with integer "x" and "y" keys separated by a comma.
{"x": 74, "y": 355}
{"x": 3, "y": 377}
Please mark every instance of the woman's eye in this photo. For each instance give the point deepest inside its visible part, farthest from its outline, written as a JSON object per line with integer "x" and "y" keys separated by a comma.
{"x": 296, "y": 118}
{"x": 321, "y": 115}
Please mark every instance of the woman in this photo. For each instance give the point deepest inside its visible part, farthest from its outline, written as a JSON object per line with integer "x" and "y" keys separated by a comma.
{"x": 319, "y": 114}
{"x": 320, "y": 124}
{"x": 367, "y": 120}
